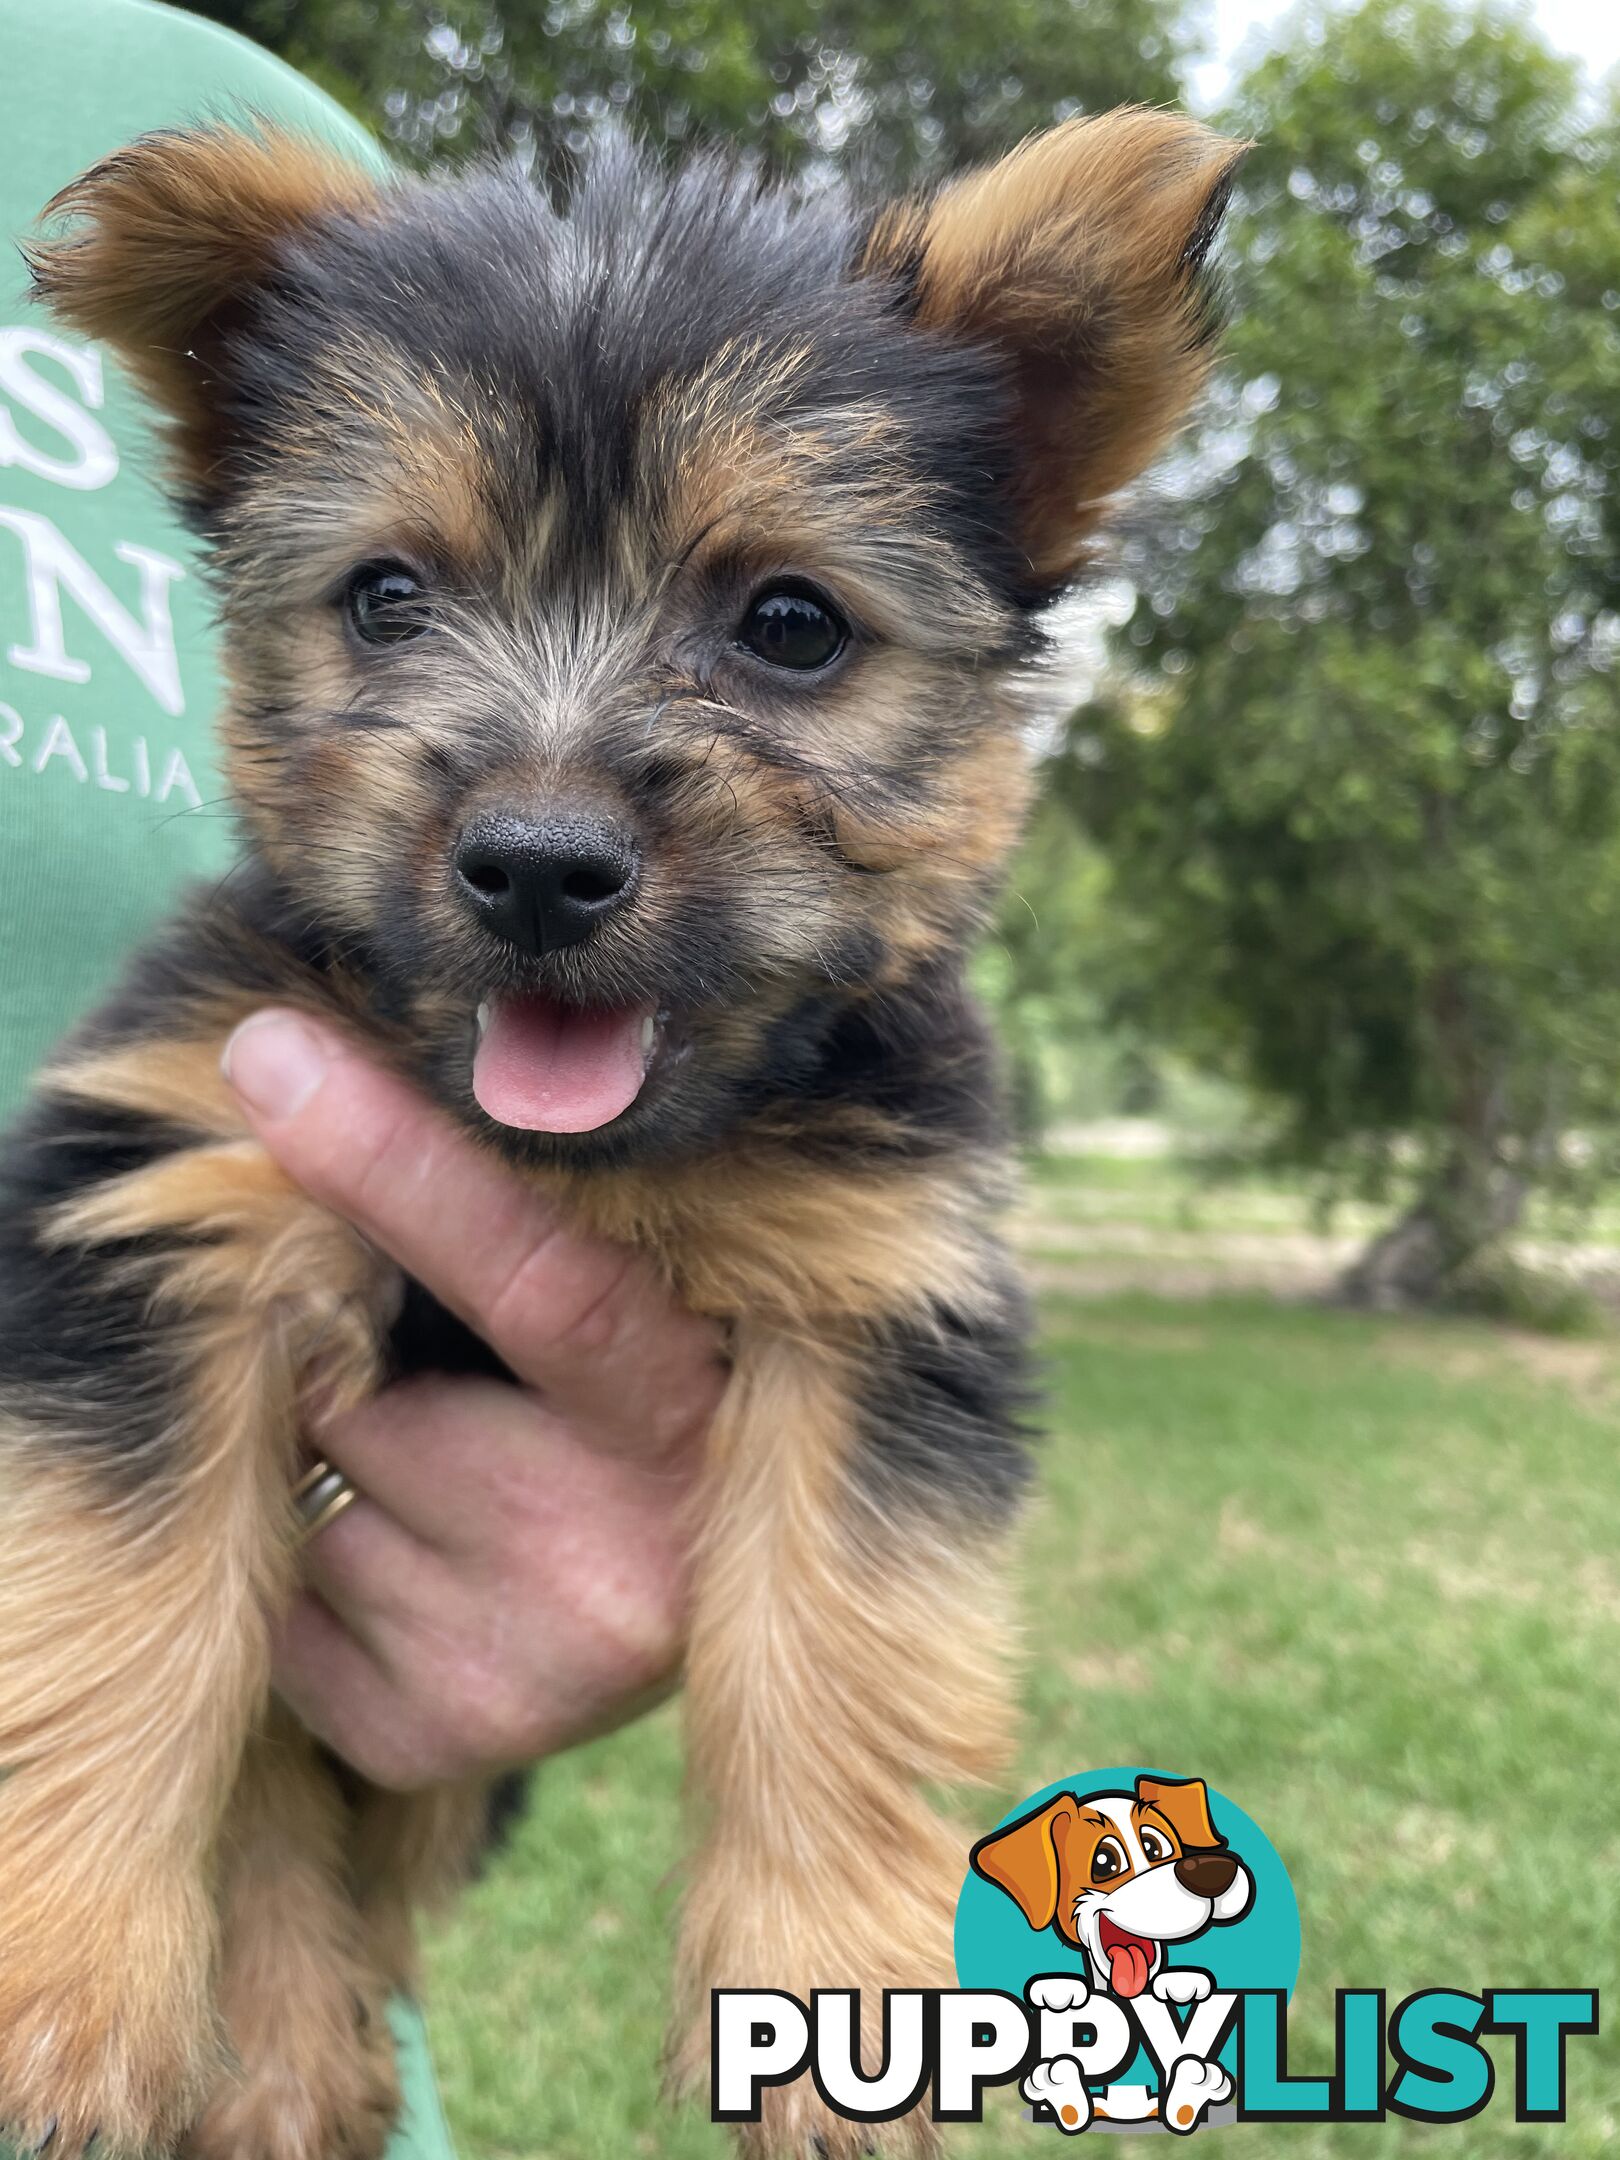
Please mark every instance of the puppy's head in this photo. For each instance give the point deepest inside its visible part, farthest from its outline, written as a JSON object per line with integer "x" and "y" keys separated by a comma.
{"x": 1118, "y": 1875}
{"x": 623, "y": 597}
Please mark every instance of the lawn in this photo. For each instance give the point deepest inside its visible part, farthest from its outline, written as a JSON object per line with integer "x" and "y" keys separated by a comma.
{"x": 1363, "y": 1575}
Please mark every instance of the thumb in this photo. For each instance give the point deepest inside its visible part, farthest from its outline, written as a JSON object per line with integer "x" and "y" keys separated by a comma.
{"x": 491, "y": 1248}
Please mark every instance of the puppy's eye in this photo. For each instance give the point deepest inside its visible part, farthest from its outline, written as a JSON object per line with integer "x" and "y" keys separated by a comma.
{"x": 791, "y": 626}
{"x": 1108, "y": 1861}
{"x": 1155, "y": 1847}
{"x": 385, "y": 604}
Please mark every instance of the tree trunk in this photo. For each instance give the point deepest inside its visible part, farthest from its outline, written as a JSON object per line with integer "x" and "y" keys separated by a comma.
{"x": 1421, "y": 1259}
{"x": 1475, "y": 1198}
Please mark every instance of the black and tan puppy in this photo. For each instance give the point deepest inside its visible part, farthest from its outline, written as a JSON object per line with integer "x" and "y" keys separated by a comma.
{"x": 625, "y": 604}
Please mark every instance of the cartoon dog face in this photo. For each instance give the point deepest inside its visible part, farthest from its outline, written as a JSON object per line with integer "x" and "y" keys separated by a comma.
{"x": 1118, "y": 1875}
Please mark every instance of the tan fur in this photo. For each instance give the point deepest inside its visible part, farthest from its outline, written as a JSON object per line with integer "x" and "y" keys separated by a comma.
{"x": 301, "y": 1990}
{"x": 835, "y": 490}
{"x": 315, "y": 1913}
{"x": 412, "y": 1852}
{"x": 168, "y": 233}
{"x": 125, "y": 1621}
{"x": 785, "y": 1241}
{"x": 1072, "y": 254}
{"x": 778, "y": 1237}
{"x": 417, "y": 479}
{"x": 838, "y": 1661}
{"x": 177, "y": 1080}
{"x": 106, "y": 1930}
{"x": 136, "y": 1634}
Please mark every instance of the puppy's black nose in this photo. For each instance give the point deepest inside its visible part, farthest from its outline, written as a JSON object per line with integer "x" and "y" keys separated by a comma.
{"x": 545, "y": 882}
{"x": 1206, "y": 1874}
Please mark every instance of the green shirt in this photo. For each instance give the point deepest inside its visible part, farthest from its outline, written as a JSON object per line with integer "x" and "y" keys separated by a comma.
{"x": 109, "y": 792}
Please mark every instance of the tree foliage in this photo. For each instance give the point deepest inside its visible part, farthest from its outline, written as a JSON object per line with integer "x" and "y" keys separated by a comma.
{"x": 896, "y": 91}
{"x": 1362, "y": 798}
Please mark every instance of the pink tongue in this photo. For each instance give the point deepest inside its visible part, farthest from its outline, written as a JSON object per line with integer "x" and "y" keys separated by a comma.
{"x": 546, "y": 1069}
{"x": 1128, "y": 1968}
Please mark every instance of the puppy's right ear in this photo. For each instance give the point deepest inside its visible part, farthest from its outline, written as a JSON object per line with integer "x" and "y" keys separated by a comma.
{"x": 1026, "y": 1859}
{"x": 157, "y": 250}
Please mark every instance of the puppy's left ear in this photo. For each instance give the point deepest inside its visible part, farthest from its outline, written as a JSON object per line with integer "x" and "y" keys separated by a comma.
{"x": 159, "y": 249}
{"x": 1184, "y": 1804}
{"x": 1082, "y": 259}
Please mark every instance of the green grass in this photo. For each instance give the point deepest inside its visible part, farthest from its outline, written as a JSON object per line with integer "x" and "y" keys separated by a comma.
{"x": 1186, "y": 1191}
{"x": 1363, "y": 1576}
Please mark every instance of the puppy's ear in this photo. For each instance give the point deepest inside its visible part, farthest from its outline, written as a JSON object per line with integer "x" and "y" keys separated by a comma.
{"x": 1026, "y": 1859}
{"x": 157, "y": 250}
{"x": 1082, "y": 258}
{"x": 1184, "y": 1804}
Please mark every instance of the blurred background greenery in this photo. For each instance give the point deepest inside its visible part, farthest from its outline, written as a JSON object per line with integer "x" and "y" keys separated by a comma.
{"x": 1307, "y": 976}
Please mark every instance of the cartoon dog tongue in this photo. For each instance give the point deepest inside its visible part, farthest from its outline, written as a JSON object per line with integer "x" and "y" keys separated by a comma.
{"x": 547, "y": 1068}
{"x": 1130, "y": 1960}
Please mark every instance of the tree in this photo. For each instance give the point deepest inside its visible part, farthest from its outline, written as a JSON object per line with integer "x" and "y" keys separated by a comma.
{"x": 1361, "y": 800}
{"x": 896, "y": 91}
{"x": 1055, "y": 1031}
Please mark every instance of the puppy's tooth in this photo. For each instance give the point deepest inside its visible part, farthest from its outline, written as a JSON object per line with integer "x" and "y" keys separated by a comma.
{"x": 649, "y": 1038}
{"x": 482, "y": 1017}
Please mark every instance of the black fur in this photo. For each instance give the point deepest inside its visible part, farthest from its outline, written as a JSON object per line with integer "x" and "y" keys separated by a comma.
{"x": 77, "y": 1344}
{"x": 944, "y": 1407}
{"x": 574, "y": 316}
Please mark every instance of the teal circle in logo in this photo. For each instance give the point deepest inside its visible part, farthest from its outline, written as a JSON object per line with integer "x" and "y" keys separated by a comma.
{"x": 998, "y": 1946}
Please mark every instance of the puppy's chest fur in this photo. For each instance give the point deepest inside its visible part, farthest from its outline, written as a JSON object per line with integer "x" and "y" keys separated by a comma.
{"x": 861, "y": 1207}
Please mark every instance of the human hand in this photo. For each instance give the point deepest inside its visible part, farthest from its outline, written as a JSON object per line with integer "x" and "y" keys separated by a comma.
{"x": 512, "y": 1576}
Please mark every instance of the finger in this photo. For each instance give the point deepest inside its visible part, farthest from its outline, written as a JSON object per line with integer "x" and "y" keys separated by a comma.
{"x": 460, "y": 1464}
{"x": 341, "y": 1694}
{"x": 554, "y": 1305}
{"x": 376, "y": 1575}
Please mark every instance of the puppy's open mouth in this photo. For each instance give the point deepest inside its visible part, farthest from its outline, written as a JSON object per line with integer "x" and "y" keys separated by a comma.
{"x": 1130, "y": 1957}
{"x": 548, "y": 1067}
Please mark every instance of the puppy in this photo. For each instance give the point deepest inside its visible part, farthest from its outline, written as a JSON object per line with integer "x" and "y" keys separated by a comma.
{"x": 624, "y": 604}
{"x": 1118, "y": 1875}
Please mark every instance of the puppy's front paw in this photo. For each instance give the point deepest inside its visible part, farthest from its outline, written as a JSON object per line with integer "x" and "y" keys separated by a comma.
{"x": 105, "y": 2039}
{"x": 1194, "y": 2088}
{"x": 1182, "y": 1984}
{"x": 305, "y": 2086}
{"x": 796, "y": 2123}
{"x": 886, "y": 1930}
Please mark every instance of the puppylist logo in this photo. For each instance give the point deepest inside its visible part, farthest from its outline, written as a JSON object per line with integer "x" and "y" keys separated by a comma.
{"x": 1122, "y": 1878}
{"x": 1127, "y": 1943}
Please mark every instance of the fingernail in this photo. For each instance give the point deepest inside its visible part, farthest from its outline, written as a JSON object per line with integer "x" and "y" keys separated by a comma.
{"x": 275, "y": 1062}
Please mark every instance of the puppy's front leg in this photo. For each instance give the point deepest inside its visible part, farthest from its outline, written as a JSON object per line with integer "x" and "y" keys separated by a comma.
{"x": 848, "y": 1648}
{"x": 157, "y": 1321}
{"x": 127, "y": 1680}
{"x": 301, "y": 1992}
